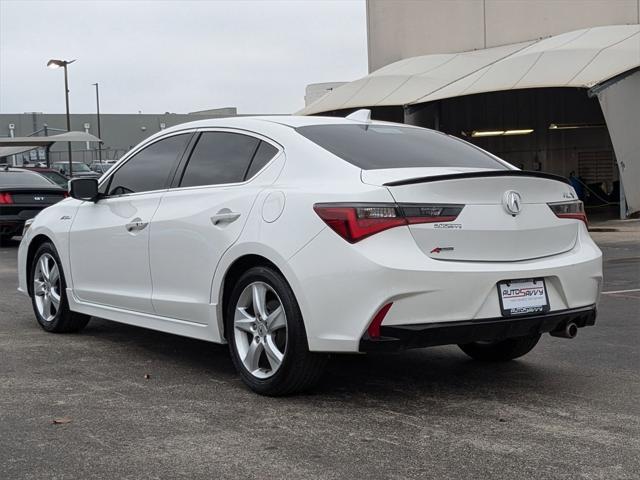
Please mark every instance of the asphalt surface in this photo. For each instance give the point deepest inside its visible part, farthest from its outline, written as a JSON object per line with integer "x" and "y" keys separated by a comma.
{"x": 570, "y": 409}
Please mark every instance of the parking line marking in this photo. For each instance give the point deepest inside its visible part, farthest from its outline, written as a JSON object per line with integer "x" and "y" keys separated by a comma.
{"x": 622, "y": 291}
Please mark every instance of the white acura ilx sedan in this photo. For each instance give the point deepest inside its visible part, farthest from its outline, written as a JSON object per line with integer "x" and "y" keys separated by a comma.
{"x": 293, "y": 237}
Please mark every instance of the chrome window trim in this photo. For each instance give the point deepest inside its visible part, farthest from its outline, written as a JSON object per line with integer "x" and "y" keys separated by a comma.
{"x": 129, "y": 155}
{"x": 241, "y": 131}
{"x": 249, "y": 133}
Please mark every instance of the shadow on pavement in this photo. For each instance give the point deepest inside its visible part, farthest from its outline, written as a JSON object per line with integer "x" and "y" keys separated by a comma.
{"x": 435, "y": 371}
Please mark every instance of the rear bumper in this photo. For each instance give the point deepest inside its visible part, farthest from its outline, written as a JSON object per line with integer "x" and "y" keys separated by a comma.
{"x": 399, "y": 337}
{"x": 11, "y": 225}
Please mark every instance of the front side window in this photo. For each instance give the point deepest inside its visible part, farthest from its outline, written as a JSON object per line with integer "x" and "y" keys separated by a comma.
{"x": 219, "y": 158}
{"x": 373, "y": 147}
{"x": 150, "y": 168}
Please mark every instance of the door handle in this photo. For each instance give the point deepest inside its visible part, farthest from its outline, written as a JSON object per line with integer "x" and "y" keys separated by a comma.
{"x": 225, "y": 217}
{"x": 136, "y": 225}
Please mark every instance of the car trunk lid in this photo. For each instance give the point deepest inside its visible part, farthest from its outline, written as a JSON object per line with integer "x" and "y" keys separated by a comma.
{"x": 485, "y": 229}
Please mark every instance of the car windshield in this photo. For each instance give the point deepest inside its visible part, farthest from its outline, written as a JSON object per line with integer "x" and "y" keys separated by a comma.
{"x": 23, "y": 179}
{"x": 378, "y": 146}
{"x": 77, "y": 167}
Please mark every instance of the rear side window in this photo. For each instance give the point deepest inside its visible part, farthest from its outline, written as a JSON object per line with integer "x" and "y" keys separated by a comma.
{"x": 372, "y": 147}
{"x": 263, "y": 155}
{"x": 23, "y": 179}
{"x": 219, "y": 158}
{"x": 150, "y": 168}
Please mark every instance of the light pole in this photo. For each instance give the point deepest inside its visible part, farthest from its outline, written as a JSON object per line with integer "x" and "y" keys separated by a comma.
{"x": 99, "y": 133}
{"x": 57, "y": 64}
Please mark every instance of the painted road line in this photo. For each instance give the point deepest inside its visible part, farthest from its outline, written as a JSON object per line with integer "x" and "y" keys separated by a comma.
{"x": 621, "y": 291}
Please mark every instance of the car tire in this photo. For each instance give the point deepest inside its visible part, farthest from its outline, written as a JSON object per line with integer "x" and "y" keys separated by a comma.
{"x": 267, "y": 338}
{"x": 501, "y": 351}
{"x": 48, "y": 293}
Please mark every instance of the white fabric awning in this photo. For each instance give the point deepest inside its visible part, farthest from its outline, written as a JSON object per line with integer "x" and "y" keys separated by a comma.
{"x": 15, "y": 145}
{"x": 44, "y": 141}
{"x": 582, "y": 58}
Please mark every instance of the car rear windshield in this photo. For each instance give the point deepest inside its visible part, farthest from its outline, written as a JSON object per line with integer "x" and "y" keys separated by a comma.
{"x": 23, "y": 179}
{"x": 372, "y": 147}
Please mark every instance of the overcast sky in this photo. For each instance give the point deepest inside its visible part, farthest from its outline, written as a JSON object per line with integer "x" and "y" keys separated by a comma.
{"x": 177, "y": 56}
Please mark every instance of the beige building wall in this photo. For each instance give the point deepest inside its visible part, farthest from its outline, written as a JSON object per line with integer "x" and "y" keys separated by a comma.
{"x": 399, "y": 29}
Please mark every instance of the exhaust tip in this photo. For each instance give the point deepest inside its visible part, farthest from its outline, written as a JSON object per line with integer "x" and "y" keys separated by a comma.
{"x": 569, "y": 330}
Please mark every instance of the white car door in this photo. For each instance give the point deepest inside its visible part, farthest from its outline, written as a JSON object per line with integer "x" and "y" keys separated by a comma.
{"x": 202, "y": 217}
{"x": 109, "y": 239}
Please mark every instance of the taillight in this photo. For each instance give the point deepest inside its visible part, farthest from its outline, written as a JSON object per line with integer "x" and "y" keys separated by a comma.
{"x": 573, "y": 209}
{"x": 5, "y": 198}
{"x": 419, "y": 213}
{"x": 357, "y": 221}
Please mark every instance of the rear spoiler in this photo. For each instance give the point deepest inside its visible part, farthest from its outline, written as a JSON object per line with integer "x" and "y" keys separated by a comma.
{"x": 489, "y": 173}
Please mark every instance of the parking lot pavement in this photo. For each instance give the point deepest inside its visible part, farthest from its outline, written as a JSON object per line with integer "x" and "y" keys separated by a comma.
{"x": 569, "y": 409}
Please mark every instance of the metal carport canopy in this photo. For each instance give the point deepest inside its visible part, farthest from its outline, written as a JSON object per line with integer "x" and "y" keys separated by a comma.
{"x": 582, "y": 58}
{"x": 15, "y": 145}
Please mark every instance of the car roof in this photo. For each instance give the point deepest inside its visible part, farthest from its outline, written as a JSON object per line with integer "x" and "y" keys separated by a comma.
{"x": 250, "y": 122}
{"x": 28, "y": 172}
{"x": 38, "y": 169}
{"x": 4, "y": 169}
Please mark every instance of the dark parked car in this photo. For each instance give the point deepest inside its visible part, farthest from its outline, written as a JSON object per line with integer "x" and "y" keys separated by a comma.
{"x": 22, "y": 195}
{"x": 51, "y": 174}
{"x": 80, "y": 170}
{"x": 101, "y": 167}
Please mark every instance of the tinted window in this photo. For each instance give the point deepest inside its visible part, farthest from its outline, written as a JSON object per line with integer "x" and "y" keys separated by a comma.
{"x": 24, "y": 179}
{"x": 218, "y": 158}
{"x": 264, "y": 153}
{"x": 388, "y": 146}
{"x": 149, "y": 169}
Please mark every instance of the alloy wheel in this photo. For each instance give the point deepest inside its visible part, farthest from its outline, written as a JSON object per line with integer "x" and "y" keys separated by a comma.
{"x": 260, "y": 330}
{"x": 47, "y": 287}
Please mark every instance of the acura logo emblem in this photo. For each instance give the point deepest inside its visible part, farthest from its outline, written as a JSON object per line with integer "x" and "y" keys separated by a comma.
{"x": 512, "y": 202}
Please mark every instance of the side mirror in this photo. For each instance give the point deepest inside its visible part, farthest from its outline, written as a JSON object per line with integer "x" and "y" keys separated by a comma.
{"x": 84, "y": 189}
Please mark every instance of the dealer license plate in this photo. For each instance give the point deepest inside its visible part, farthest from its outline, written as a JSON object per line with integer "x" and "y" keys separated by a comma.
{"x": 523, "y": 297}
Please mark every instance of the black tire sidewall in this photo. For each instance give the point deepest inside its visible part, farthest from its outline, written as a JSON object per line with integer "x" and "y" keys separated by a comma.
{"x": 54, "y": 324}
{"x": 296, "y": 334}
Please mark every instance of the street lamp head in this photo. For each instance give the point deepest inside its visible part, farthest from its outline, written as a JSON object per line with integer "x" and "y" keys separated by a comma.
{"x": 53, "y": 63}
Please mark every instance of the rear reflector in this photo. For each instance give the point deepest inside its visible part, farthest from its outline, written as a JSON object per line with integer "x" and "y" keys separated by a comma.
{"x": 573, "y": 209}
{"x": 374, "y": 326}
{"x": 5, "y": 198}
{"x": 357, "y": 221}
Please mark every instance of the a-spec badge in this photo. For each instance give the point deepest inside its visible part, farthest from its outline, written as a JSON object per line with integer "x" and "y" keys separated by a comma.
{"x": 512, "y": 202}
{"x": 442, "y": 249}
